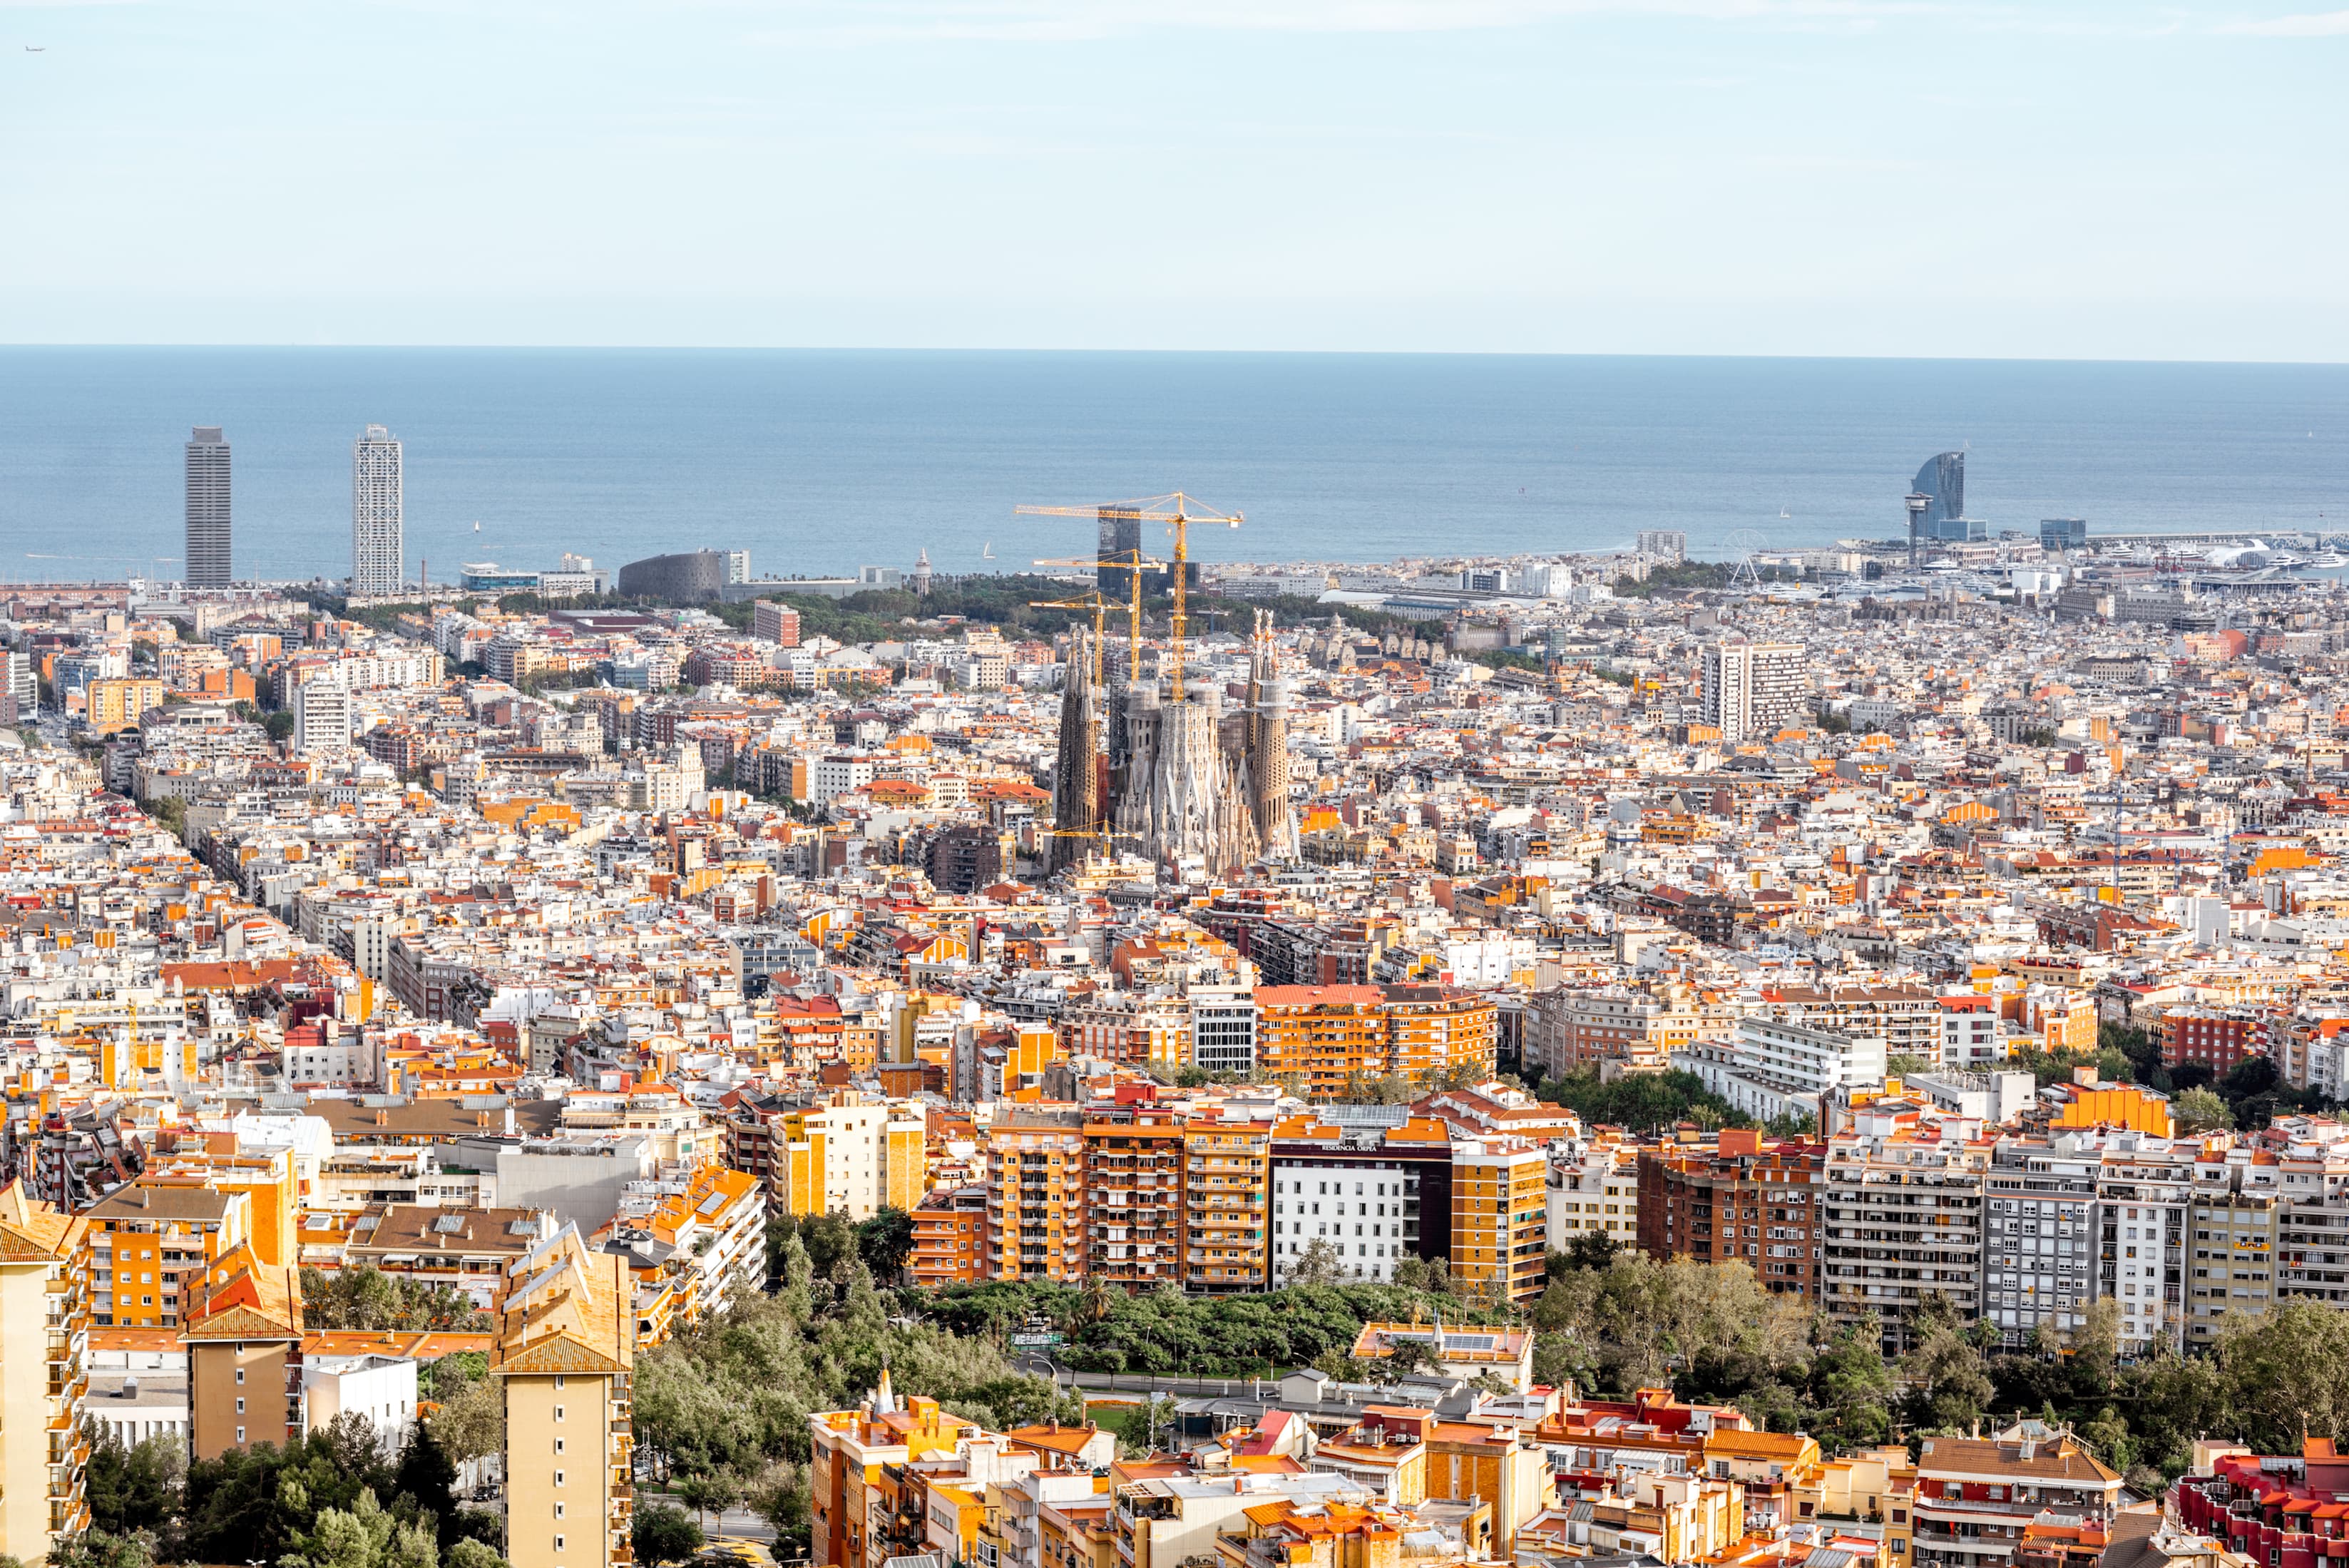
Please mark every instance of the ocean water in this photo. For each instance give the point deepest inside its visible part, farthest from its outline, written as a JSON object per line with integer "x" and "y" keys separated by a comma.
{"x": 820, "y": 461}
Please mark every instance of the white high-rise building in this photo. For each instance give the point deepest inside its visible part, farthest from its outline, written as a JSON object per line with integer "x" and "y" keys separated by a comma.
{"x": 207, "y": 561}
{"x": 1751, "y": 690}
{"x": 376, "y": 542}
{"x": 322, "y": 717}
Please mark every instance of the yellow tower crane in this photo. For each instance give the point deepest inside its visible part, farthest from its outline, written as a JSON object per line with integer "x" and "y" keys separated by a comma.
{"x": 1132, "y": 563}
{"x": 1094, "y": 602}
{"x": 1178, "y": 511}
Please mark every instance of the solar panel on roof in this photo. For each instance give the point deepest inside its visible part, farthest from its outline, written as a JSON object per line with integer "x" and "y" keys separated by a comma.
{"x": 711, "y": 1204}
{"x": 1468, "y": 1342}
{"x": 450, "y": 1224}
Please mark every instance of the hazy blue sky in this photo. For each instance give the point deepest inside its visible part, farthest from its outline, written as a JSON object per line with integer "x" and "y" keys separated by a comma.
{"x": 1898, "y": 177}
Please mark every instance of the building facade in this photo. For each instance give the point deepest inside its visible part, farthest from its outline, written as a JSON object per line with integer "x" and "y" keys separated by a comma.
{"x": 1738, "y": 1197}
{"x": 44, "y": 1351}
{"x": 208, "y": 520}
{"x": 1752, "y": 690}
{"x": 564, "y": 1357}
{"x": 377, "y": 510}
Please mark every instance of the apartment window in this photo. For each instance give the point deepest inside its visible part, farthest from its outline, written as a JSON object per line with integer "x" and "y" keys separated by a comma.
{"x": 558, "y": 1412}
{"x": 240, "y": 1405}
{"x": 558, "y": 1543}
{"x": 240, "y": 1436}
{"x": 558, "y": 1478}
{"x": 558, "y": 1445}
{"x": 558, "y": 1511}
{"x": 240, "y": 1374}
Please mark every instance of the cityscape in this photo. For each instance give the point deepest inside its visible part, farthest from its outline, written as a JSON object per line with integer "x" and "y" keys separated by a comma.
{"x": 1815, "y": 1039}
{"x": 1170, "y": 784}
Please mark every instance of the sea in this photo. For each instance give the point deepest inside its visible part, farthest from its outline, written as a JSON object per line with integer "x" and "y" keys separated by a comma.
{"x": 819, "y": 462}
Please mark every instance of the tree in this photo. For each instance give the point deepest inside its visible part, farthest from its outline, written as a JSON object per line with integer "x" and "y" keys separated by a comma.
{"x": 365, "y": 1297}
{"x": 2284, "y": 1373}
{"x": 1851, "y": 1388}
{"x": 2097, "y": 1344}
{"x": 467, "y": 1551}
{"x": 786, "y": 1501}
{"x": 827, "y": 1238}
{"x": 1590, "y": 1250}
{"x": 1433, "y": 1275}
{"x": 1903, "y": 1065}
{"x": 1316, "y": 1264}
{"x": 428, "y": 1476}
{"x": 445, "y": 1378}
{"x": 1948, "y": 1388}
{"x": 364, "y": 1536}
{"x": 279, "y": 723}
{"x": 2201, "y": 1110}
{"x": 134, "y": 1488}
{"x": 885, "y": 1242}
{"x": 662, "y": 1534}
{"x": 710, "y": 1492}
{"x": 170, "y": 812}
{"x": 101, "y": 1549}
{"x": 1406, "y": 1356}
{"x": 471, "y": 1422}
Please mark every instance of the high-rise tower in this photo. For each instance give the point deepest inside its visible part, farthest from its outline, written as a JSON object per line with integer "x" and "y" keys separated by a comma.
{"x": 1941, "y": 483}
{"x": 1751, "y": 690}
{"x": 207, "y": 561}
{"x": 376, "y": 511}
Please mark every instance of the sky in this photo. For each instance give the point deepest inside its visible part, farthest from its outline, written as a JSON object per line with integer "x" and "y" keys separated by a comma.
{"x": 2052, "y": 179}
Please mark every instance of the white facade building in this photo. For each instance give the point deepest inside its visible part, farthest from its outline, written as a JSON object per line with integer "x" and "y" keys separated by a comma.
{"x": 376, "y": 544}
{"x": 1223, "y": 1028}
{"x": 1752, "y": 688}
{"x": 322, "y": 717}
{"x": 1770, "y": 1068}
{"x": 1358, "y": 1206}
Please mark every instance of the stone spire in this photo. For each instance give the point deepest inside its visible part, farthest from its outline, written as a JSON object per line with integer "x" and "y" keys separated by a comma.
{"x": 1076, "y": 774}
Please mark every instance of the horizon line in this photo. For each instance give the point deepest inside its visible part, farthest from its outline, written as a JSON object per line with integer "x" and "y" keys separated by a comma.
{"x": 2148, "y": 360}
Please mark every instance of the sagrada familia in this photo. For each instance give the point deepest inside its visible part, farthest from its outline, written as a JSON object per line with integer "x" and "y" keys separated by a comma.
{"x": 1182, "y": 781}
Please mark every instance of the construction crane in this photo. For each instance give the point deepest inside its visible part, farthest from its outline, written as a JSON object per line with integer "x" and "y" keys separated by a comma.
{"x": 1094, "y": 602}
{"x": 1178, "y": 511}
{"x": 1132, "y": 563}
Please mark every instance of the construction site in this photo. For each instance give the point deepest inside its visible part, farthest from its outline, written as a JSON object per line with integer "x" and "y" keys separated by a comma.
{"x": 1149, "y": 764}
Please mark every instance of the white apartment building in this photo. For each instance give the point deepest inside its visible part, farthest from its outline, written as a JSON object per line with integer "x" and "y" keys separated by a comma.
{"x": 376, "y": 502}
{"x": 2145, "y": 1194}
{"x": 1753, "y": 689}
{"x": 1314, "y": 1202}
{"x": 1594, "y": 1188}
{"x": 1970, "y": 1041}
{"x": 1770, "y": 1068}
{"x": 1223, "y": 1028}
{"x": 835, "y": 775}
{"x": 322, "y": 717}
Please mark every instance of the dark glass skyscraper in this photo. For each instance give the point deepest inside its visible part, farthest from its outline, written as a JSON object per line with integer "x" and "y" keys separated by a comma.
{"x": 208, "y": 509}
{"x": 1119, "y": 538}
